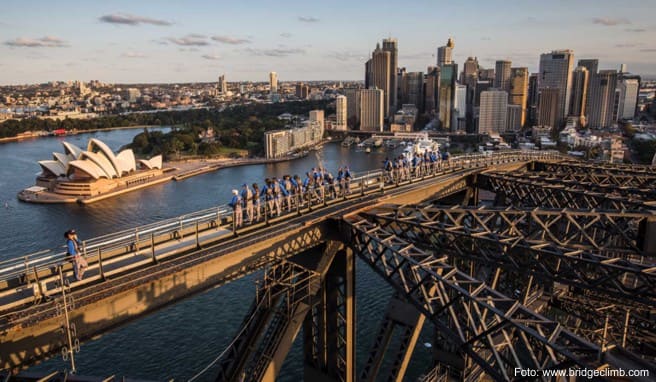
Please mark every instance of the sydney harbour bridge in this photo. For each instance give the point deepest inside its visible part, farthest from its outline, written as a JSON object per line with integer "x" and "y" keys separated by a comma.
{"x": 517, "y": 263}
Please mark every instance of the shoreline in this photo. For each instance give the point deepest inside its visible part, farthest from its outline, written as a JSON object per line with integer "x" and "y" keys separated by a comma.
{"x": 78, "y": 132}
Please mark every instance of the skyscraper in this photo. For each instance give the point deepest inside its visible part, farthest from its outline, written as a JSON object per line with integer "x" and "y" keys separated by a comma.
{"x": 629, "y": 87}
{"x": 502, "y": 75}
{"x": 532, "y": 101}
{"x": 460, "y": 108}
{"x": 352, "y": 107}
{"x": 518, "y": 94}
{"x": 444, "y": 53}
{"x": 592, "y": 64}
{"x": 391, "y": 45}
{"x": 372, "y": 108}
{"x": 379, "y": 75}
{"x": 486, "y": 74}
{"x": 579, "y": 96}
{"x": 556, "y": 72}
{"x": 341, "y": 111}
{"x": 430, "y": 90}
{"x": 222, "y": 85}
{"x": 548, "y": 106}
{"x": 448, "y": 74}
{"x": 493, "y": 111}
{"x": 602, "y": 98}
{"x": 412, "y": 90}
{"x": 273, "y": 82}
{"x": 514, "y": 118}
{"x": 469, "y": 74}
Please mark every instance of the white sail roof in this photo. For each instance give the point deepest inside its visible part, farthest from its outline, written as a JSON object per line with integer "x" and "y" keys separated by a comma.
{"x": 154, "y": 162}
{"x": 71, "y": 149}
{"x": 126, "y": 161}
{"x": 101, "y": 161}
{"x": 88, "y": 167}
{"x": 53, "y": 167}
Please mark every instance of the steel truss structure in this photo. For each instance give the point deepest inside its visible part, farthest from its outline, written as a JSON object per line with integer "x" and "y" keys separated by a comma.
{"x": 494, "y": 331}
{"x": 567, "y": 166}
{"x": 526, "y": 240}
{"x": 520, "y": 191}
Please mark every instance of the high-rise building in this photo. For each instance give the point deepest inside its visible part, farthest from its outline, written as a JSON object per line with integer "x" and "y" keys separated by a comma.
{"x": 317, "y": 116}
{"x": 502, "y": 75}
{"x": 493, "y": 111}
{"x": 629, "y": 87}
{"x": 222, "y": 85}
{"x": 412, "y": 90}
{"x": 302, "y": 91}
{"x": 532, "y": 101}
{"x": 430, "y": 89}
{"x": 592, "y": 64}
{"x": 486, "y": 74}
{"x": 444, "y": 53}
{"x": 514, "y": 118}
{"x": 469, "y": 74}
{"x": 352, "y": 107}
{"x": 579, "y": 95}
{"x": 460, "y": 108}
{"x": 372, "y": 109}
{"x": 448, "y": 74}
{"x": 341, "y": 112}
{"x": 518, "y": 94}
{"x": 378, "y": 75}
{"x": 391, "y": 45}
{"x": 602, "y": 99}
{"x": 556, "y": 72}
{"x": 273, "y": 82}
{"x": 548, "y": 107}
{"x": 133, "y": 94}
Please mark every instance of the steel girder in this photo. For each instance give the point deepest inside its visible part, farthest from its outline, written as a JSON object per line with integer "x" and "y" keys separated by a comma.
{"x": 575, "y": 166}
{"x": 493, "y": 330}
{"x": 628, "y": 186}
{"x": 610, "y": 233}
{"x": 535, "y": 193}
{"x": 544, "y": 259}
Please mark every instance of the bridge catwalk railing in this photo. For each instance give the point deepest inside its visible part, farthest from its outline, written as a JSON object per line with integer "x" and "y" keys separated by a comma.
{"x": 221, "y": 217}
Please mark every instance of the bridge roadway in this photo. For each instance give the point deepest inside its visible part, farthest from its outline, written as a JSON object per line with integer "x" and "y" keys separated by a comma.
{"x": 162, "y": 263}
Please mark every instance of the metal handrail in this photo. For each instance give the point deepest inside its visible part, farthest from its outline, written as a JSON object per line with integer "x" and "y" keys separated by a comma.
{"x": 125, "y": 238}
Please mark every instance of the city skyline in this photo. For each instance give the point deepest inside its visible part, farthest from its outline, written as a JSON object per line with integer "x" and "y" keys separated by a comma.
{"x": 126, "y": 42}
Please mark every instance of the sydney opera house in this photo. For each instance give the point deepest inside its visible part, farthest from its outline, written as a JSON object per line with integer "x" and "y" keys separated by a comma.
{"x": 85, "y": 173}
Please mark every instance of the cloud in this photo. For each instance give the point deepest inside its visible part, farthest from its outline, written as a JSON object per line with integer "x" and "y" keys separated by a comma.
{"x": 308, "y": 19}
{"x": 485, "y": 38}
{"x": 280, "y": 52}
{"x": 133, "y": 55}
{"x": 636, "y": 30}
{"x": 231, "y": 40}
{"x": 189, "y": 40}
{"x": 609, "y": 22}
{"x": 43, "y": 42}
{"x": 285, "y": 35}
{"x": 347, "y": 56}
{"x": 626, "y": 45}
{"x": 416, "y": 56}
{"x": 188, "y": 49}
{"x": 650, "y": 50}
{"x": 128, "y": 19}
{"x": 213, "y": 57}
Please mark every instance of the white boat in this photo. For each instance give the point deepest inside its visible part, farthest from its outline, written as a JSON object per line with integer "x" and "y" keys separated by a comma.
{"x": 367, "y": 150}
{"x": 420, "y": 147}
{"x": 378, "y": 142}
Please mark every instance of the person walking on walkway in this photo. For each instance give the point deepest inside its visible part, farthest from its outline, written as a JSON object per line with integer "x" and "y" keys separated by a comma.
{"x": 256, "y": 202}
{"x": 247, "y": 200}
{"x": 235, "y": 203}
{"x": 73, "y": 250}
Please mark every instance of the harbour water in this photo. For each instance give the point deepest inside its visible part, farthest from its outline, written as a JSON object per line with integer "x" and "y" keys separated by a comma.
{"x": 179, "y": 340}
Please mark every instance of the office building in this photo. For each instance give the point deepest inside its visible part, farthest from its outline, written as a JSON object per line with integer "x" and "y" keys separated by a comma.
{"x": 412, "y": 90}
{"x": 548, "y": 107}
{"x": 460, "y": 108}
{"x": 222, "y": 85}
{"x": 444, "y": 53}
{"x": 352, "y": 107}
{"x": 579, "y": 96}
{"x": 514, "y": 118}
{"x": 273, "y": 83}
{"x": 378, "y": 75}
{"x": 341, "y": 112}
{"x": 493, "y": 112}
{"x": 302, "y": 91}
{"x": 391, "y": 45}
{"x": 518, "y": 92}
{"x": 448, "y": 73}
{"x": 532, "y": 101}
{"x": 431, "y": 87}
{"x": 502, "y": 75}
{"x": 629, "y": 87}
{"x": 469, "y": 74}
{"x": 486, "y": 75}
{"x": 372, "y": 109}
{"x": 556, "y": 70}
{"x": 602, "y": 99}
{"x": 592, "y": 64}
{"x": 133, "y": 94}
{"x": 317, "y": 116}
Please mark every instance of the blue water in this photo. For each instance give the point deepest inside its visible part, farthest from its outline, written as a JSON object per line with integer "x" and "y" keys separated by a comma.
{"x": 180, "y": 340}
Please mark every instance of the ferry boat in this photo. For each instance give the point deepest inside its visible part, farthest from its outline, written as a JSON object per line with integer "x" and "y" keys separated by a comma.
{"x": 348, "y": 142}
{"x": 378, "y": 142}
{"x": 419, "y": 148}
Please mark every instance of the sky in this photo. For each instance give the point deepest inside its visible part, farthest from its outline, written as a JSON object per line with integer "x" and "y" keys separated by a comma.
{"x": 149, "y": 41}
